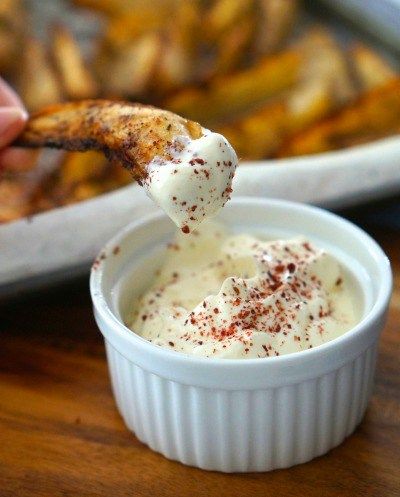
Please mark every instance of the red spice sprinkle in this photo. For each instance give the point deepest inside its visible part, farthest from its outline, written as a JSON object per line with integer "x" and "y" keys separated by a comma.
{"x": 171, "y": 344}
{"x": 186, "y": 229}
{"x": 216, "y": 310}
{"x": 291, "y": 267}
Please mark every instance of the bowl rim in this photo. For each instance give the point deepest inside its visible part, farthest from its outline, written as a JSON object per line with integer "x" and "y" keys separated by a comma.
{"x": 118, "y": 328}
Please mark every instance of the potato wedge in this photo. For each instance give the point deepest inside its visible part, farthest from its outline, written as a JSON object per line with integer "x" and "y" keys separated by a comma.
{"x": 115, "y": 8}
{"x": 122, "y": 30}
{"x": 225, "y": 14}
{"x": 231, "y": 94}
{"x": 308, "y": 103}
{"x": 15, "y": 197}
{"x": 324, "y": 60}
{"x": 370, "y": 68}
{"x": 275, "y": 20}
{"x": 260, "y": 134}
{"x": 129, "y": 72}
{"x": 257, "y": 135}
{"x": 12, "y": 31}
{"x": 130, "y": 133}
{"x": 38, "y": 83}
{"x": 76, "y": 80}
{"x": 77, "y": 167}
{"x": 177, "y": 62}
{"x": 374, "y": 115}
{"x": 231, "y": 48}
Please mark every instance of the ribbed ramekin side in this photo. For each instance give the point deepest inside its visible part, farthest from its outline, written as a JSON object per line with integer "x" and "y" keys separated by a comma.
{"x": 242, "y": 430}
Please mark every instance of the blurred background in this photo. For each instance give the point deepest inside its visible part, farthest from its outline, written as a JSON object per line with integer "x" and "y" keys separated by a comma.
{"x": 279, "y": 78}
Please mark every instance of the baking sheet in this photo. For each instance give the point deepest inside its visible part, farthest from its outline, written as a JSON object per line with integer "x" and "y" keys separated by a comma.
{"x": 58, "y": 244}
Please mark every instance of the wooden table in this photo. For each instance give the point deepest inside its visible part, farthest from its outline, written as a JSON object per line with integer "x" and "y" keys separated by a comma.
{"x": 60, "y": 434}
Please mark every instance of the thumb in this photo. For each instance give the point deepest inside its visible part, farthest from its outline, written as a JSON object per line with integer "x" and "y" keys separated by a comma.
{"x": 12, "y": 122}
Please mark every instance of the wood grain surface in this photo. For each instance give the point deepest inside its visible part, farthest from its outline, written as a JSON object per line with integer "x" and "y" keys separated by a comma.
{"x": 60, "y": 433}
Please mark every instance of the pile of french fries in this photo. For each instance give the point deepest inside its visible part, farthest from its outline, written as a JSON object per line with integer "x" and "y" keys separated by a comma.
{"x": 241, "y": 67}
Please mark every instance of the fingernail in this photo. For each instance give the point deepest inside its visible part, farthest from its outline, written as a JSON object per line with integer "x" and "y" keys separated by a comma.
{"x": 11, "y": 123}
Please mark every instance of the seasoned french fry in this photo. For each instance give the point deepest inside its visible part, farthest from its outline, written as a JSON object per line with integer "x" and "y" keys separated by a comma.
{"x": 122, "y": 30}
{"x": 78, "y": 167}
{"x": 225, "y": 14}
{"x": 258, "y": 134}
{"x": 14, "y": 200}
{"x": 177, "y": 61}
{"x": 130, "y": 71}
{"x": 323, "y": 59}
{"x": 261, "y": 133}
{"x": 8, "y": 49}
{"x": 371, "y": 69}
{"x": 118, "y": 7}
{"x": 12, "y": 28}
{"x": 275, "y": 21}
{"x": 308, "y": 103}
{"x": 232, "y": 47}
{"x": 374, "y": 115}
{"x": 75, "y": 78}
{"x": 231, "y": 94}
{"x": 38, "y": 84}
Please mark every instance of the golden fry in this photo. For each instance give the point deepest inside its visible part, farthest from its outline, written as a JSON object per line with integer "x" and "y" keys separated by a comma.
{"x": 75, "y": 78}
{"x": 130, "y": 71}
{"x": 122, "y": 30}
{"x": 38, "y": 83}
{"x": 118, "y": 7}
{"x": 14, "y": 199}
{"x": 225, "y": 14}
{"x": 78, "y": 167}
{"x": 234, "y": 93}
{"x": 261, "y": 133}
{"x": 232, "y": 46}
{"x": 308, "y": 103}
{"x": 12, "y": 29}
{"x": 177, "y": 62}
{"x": 275, "y": 22}
{"x": 258, "y": 134}
{"x": 323, "y": 59}
{"x": 130, "y": 133}
{"x": 371, "y": 69}
{"x": 374, "y": 115}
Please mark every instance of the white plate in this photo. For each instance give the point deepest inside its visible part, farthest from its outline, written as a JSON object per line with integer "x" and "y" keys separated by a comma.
{"x": 61, "y": 243}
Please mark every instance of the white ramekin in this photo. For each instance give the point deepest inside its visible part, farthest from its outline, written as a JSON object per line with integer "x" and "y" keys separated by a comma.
{"x": 252, "y": 414}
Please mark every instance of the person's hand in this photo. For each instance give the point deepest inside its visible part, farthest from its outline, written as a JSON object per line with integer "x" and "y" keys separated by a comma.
{"x": 13, "y": 117}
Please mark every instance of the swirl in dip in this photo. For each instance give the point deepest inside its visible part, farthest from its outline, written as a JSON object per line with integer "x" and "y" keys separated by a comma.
{"x": 236, "y": 296}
